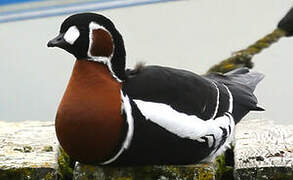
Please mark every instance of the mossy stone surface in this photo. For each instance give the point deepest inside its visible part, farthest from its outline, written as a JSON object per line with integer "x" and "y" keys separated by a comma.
{"x": 224, "y": 169}
{"x": 264, "y": 173}
{"x": 28, "y": 174}
{"x": 184, "y": 172}
{"x": 65, "y": 165}
{"x": 28, "y": 150}
{"x": 263, "y": 150}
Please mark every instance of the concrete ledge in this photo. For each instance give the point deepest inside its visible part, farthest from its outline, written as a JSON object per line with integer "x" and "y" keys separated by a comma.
{"x": 263, "y": 150}
{"x": 28, "y": 150}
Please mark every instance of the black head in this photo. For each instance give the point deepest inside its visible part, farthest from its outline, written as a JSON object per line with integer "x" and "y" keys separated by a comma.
{"x": 92, "y": 37}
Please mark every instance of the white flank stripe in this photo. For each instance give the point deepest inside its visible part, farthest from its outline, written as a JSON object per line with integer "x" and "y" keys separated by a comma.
{"x": 183, "y": 125}
{"x": 227, "y": 143}
{"x": 218, "y": 101}
{"x": 127, "y": 107}
{"x": 230, "y": 99}
{"x": 128, "y": 111}
{"x": 210, "y": 140}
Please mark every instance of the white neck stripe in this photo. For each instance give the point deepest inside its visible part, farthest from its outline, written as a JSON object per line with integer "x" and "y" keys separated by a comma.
{"x": 104, "y": 60}
{"x": 127, "y": 108}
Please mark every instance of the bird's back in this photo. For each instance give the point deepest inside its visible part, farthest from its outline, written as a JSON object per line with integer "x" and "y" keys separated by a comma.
{"x": 183, "y": 90}
{"x": 193, "y": 94}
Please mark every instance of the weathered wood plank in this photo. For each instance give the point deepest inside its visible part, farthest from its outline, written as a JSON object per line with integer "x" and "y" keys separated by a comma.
{"x": 28, "y": 150}
{"x": 263, "y": 150}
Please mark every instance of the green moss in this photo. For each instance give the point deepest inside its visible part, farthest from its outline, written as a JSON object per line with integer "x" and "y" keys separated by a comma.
{"x": 174, "y": 172}
{"x": 122, "y": 178}
{"x": 47, "y": 148}
{"x": 50, "y": 176}
{"x": 225, "y": 164}
{"x": 204, "y": 174}
{"x": 27, "y": 149}
{"x": 223, "y": 170}
{"x": 16, "y": 173}
{"x": 190, "y": 172}
{"x": 220, "y": 161}
{"x": 18, "y": 149}
{"x": 265, "y": 173}
{"x": 65, "y": 171}
{"x": 27, "y": 173}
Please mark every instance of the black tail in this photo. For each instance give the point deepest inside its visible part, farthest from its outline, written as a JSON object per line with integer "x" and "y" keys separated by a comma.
{"x": 241, "y": 82}
{"x": 246, "y": 77}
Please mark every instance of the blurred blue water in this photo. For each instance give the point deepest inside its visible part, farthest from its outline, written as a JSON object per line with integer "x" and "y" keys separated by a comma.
{"x": 6, "y": 2}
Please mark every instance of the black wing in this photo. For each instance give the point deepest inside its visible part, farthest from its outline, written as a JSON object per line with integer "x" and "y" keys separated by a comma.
{"x": 193, "y": 94}
{"x": 184, "y": 91}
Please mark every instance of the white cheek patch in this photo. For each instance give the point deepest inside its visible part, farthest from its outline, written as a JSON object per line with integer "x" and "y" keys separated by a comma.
{"x": 71, "y": 35}
{"x": 101, "y": 59}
